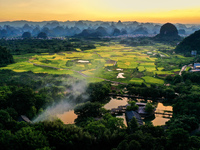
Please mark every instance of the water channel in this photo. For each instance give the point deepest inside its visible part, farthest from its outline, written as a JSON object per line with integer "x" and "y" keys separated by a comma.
{"x": 157, "y": 119}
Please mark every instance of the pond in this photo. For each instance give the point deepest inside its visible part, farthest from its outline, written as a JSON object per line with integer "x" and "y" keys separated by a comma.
{"x": 160, "y": 119}
{"x": 157, "y": 119}
{"x": 68, "y": 117}
{"x": 114, "y": 103}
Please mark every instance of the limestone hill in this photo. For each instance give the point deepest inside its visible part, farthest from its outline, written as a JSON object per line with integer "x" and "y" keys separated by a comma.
{"x": 190, "y": 43}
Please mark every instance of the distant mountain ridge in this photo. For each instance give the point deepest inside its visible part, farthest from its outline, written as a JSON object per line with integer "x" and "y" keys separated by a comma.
{"x": 54, "y": 28}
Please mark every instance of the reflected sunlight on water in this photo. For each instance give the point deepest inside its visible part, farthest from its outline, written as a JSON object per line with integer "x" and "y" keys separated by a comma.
{"x": 68, "y": 117}
{"x": 158, "y": 119}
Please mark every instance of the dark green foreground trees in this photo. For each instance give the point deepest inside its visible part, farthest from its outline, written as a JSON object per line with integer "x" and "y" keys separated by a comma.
{"x": 5, "y": 57}
{"x": 94, "y": 128}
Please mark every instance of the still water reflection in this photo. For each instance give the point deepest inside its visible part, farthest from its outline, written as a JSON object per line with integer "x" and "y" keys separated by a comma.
{"x": 158, "y": 119}
{"x": 67, "y": 117}
{"x": 115, "y": 102}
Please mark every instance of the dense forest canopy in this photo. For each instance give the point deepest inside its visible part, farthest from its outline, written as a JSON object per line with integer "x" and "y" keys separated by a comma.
{"x": 33, "y": 94}
{"x": 190, "y": 43}
{"x": 5, "y": 57}
{"x": 27, "y": 45}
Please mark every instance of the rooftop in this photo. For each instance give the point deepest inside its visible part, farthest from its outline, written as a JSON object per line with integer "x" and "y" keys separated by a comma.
{"x": 131, "y": 114}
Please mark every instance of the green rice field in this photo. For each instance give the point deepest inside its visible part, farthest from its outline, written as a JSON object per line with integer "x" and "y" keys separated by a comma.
{"x": 116, "y": 62}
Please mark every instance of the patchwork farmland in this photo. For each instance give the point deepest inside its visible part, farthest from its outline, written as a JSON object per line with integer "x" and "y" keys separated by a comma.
{"x": 141, "y": 64}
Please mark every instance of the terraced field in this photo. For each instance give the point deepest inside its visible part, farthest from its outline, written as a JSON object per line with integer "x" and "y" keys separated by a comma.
{"x": 138, "y": 64}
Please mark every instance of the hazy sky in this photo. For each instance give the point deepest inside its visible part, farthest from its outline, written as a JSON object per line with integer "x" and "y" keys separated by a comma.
{"x": 183, "y": 11}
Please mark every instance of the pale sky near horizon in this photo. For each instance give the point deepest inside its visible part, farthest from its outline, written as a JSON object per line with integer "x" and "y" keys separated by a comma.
{"x": 175, "y": 11}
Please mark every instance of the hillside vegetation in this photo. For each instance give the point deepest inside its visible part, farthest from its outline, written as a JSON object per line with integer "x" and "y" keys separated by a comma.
{"x": 5, "y": 57}
{"x": 190, "y": 43}
{"x": 140, "y": 64}
{"x": 55, "y": 76}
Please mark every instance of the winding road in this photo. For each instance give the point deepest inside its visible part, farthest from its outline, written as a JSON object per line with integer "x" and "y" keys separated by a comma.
{"x": 183, "y": 68}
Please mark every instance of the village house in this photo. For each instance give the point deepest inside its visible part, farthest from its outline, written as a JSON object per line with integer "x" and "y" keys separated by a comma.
{"x": 197, "y": 66}
{"x": 193, "y": 53}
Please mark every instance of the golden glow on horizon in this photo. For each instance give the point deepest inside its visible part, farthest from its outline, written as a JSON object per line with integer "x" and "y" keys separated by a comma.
{"x": 178, "y": 11}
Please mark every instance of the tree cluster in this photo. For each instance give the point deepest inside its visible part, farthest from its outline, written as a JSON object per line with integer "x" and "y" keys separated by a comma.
{"x": 189, "y": 44}
{"x": 43, "y": 45}
{"x": 5, "y": 57}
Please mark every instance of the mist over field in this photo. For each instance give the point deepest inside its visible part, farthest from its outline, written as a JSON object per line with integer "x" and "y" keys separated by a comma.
{"x": 99, "y": 75}
{"x": 51, "y": 112}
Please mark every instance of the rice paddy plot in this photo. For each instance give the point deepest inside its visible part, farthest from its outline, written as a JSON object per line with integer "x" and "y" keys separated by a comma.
{"x": 25, "y": 66}
{"x": 141, "y": 68}
{"x": 127, "y": 64}
{"x": 153, "y": 80}
{"x": 89, "y": 72}
{"x": 22, "y": 58}
{"x": 101, "y": 63}
{"x": 93, "y": 80}
{"x": 163, "y": 72}
{"x": 136, "y": 80}
{"x": 160, "y": 68}
{"x": 150, "y": 68}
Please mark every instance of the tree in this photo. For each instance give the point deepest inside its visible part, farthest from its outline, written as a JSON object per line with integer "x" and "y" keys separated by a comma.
{"x": 4, "y": 118}
{"x": 132, "y": 106}
{"x": 155, "y": 131}
{"x": 98, "y": 91}
{"x": 149, "y": 108}
{"x": 12, "y": 112}
{"x": 22, "y": 101}
{"x": 28, "y": 138}
{"x": 88, "y": 109}
{"x": 5, "y": 57}
{"x": 178, "y": 139}
{"x": 62, "y": 136}
{"x": 189, "y": 43}
{"x": 6, "y": 140}
{"x": 123, "y": 145}
{"x": 169, "y": 93}
{"x": 95, "y": 127}
{"x": 134, "y": 145}
{"x": 113, "y": 123}
{"x": 188, "y": 123}
{"x": 169, "y": 78}
{"x": 133, "y": 124}
{"x": 195, "y": 142}
{"x": 177, "y": 79}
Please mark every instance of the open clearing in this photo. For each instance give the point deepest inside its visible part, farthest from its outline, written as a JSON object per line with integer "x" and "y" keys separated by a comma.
{"x": 137, "y": 64}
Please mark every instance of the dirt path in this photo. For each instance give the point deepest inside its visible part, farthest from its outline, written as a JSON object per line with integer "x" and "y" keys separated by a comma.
{"x": 182, "y": 69}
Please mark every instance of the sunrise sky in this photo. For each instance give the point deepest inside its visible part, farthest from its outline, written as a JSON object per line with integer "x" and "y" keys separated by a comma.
{"x": 175, "y": 11}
